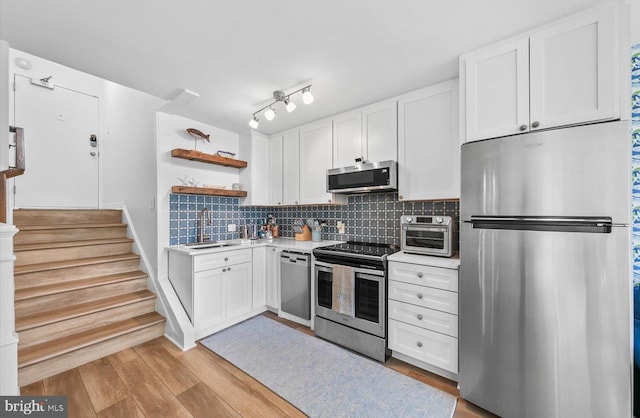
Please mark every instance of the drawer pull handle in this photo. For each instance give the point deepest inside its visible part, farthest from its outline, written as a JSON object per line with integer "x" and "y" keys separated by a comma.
{"x": 419, "y": 344}
{"x": 228, "y": 268}
{"x": 223, "y": 270}
{"x": 420, "y": 317}
{"x": 420, "y": 275}
{"x": 226, "y": 259}
{"x": 419, "y": 295}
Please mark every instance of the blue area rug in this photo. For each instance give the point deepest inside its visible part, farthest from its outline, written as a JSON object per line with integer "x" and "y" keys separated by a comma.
{"x": 324, "y": 380}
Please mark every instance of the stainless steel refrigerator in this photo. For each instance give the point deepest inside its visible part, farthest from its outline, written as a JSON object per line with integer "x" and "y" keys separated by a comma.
{"x": 545, "y": 285}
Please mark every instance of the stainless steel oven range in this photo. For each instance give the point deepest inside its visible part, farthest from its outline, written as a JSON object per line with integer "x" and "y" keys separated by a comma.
{"x": 363, "y": 330}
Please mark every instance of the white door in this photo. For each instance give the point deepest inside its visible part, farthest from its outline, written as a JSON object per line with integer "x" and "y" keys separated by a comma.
{"x": 290, "y": 168}
{"x": 315, "y": 159}
{"x": 497, "y": 90}
{"x": 347, "y": 139}
{"x": 380, "y": 131}
{"x": 275, "y": 171}
{"x": 237, "y": 290}
{"x": 61, "y": 165}
{"x": 428, "y": 143}
{"x": 574, "y": 71}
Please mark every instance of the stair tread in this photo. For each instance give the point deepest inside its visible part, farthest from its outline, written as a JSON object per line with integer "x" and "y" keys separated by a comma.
{"x": 72, "y": 311}
{"x": 55, "y": 265}
{"x": 50, "y": 349}
{"x": 56, "y": 288}
{"x": 69, "y": 226}
{"x": 70, "y": 244}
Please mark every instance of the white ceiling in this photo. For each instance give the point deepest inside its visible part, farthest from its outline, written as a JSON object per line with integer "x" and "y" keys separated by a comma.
{"x": 234, "y": 54}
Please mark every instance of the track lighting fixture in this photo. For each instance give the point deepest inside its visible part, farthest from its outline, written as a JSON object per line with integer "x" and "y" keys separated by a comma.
{"x": 280, "y": 96}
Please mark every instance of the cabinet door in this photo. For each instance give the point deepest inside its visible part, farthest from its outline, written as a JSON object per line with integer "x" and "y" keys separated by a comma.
{"x": 380, "y": 131}
{"x": 347, "y": 140}
{"x": 497, "y": 90}
{"x": 273, "y": 262}
{"x": 237, "y": 289}
{"x": 428, "y": 143}
{"x": 275, "y": 171}
{"x": 291, "y": 168}
{"x": 315, "y": 159}
{"x": 259, "y": 275}
{"x": 254, "y": 148}
{"x": 208, "y": 298}
{"x": 574, "y": 73}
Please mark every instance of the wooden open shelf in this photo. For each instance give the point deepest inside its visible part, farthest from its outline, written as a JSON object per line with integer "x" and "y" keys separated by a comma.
{"x": 207, "y": 158}
{"x": 208, "y": 191}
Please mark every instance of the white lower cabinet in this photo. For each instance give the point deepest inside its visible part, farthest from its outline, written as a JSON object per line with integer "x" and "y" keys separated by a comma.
{"x": 259, "y": 267}
{"x": 272, "y": 263}
{"x": 215, "y": 289}
{"x": 423, "y": 316}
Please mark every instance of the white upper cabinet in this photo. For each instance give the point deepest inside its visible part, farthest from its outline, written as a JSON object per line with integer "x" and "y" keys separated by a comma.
{"x": 428, "y": 143}
{"x": 291, "y": 168}
{"x": 497, "y": 90}
{"x": 380, "y": 131}
{"x": 370, "y": 133}
{"x": 347, "y": 129}
{"x": 574, "y": 71}
{"x": 275, "y": 168}
{"x": 563, "y": 74}
{"x": 315, "y": 158}
{"x": 255, "y": 177}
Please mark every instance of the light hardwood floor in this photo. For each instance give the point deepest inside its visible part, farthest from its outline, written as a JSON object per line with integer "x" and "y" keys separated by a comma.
{"x": 156, "y": 379}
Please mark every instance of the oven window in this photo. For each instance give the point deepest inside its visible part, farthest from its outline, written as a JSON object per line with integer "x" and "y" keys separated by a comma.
{"x": 425, "y": 239}
{"x": 324, "y": 291}
{"x": 367, "y": 299}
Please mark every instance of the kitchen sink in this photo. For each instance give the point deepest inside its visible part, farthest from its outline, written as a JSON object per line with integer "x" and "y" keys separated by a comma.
{"x": 214, "y": 244}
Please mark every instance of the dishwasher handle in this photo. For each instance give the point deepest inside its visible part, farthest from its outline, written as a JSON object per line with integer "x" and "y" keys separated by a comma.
{"x": 296, "y": 258}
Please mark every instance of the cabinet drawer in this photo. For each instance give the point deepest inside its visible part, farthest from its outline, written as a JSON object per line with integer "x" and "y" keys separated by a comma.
{"x": 424, "y": 345}
{"x": 227, "y": 258}
{"x": 440, "y": 278}
{"x": 426, "y": 318}
{"x": 427, "y": 297}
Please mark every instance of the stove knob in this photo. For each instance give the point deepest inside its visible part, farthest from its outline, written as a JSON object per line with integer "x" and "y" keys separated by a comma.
{"x": 439, "y": 220}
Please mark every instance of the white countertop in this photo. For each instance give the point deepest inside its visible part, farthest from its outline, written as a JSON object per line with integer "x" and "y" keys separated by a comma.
{"x": 426, "y": 260}
{"x": 285, "y": 243}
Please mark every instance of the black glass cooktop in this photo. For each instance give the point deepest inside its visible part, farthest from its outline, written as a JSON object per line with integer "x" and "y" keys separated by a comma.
{"x": 356, "y": 248}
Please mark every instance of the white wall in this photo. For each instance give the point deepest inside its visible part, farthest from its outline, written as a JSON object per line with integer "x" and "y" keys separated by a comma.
{"x": 4, "y": 105}
{"x": 126, "y": 142}
{"x": 635, "y": 19}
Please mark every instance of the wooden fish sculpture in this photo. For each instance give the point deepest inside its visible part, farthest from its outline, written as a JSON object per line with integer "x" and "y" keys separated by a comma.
{"x": 197, "y": 134}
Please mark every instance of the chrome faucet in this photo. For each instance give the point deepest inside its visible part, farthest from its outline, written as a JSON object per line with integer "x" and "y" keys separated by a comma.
{"x": 201, "y": 235}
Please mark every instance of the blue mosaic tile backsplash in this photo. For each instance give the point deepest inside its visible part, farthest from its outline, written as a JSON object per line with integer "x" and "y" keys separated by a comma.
{"x": 368, "y": 217}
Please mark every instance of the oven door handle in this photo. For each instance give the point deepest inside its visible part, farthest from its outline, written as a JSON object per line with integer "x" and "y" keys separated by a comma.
{"x": 370, "y": 277}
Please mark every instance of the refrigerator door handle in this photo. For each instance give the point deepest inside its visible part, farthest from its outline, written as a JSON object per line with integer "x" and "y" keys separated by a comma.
{"x": 590, "y": 224}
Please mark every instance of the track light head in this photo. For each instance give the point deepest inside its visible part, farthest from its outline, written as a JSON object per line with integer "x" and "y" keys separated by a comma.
{"x": 254, "y": 122}
{"x": 289, "y": 105}
{"x": 270, "y": 114}
{"x": 307, "y": 97}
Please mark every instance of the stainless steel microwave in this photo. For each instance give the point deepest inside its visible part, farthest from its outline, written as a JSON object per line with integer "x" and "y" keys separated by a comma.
{"x": 429, "y": 235}
{"x": 368, "y": 177}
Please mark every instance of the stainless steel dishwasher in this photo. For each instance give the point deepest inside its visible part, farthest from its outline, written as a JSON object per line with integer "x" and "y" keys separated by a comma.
{"x": 295, "y": 284}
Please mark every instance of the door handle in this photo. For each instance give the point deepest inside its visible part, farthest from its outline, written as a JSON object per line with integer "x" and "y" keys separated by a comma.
{"x": 93, "y": 140}
{"x": 92, "y": 153}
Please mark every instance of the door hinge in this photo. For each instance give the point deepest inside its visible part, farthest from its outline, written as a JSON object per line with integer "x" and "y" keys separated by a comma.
{"x": 14, "y": 189}
{"x": 14, "y": 86}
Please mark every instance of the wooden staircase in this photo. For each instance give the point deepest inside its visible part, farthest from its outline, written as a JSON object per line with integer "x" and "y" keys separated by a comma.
{"x": 80, "y": 294}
